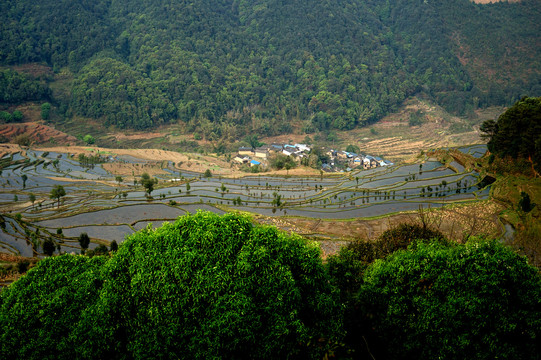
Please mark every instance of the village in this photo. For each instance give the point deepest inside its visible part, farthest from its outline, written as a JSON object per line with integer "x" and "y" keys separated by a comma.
{"x": 330, "y": 160}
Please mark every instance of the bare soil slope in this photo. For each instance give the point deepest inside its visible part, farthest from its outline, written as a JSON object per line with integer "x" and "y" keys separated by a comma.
{"x": 38, "y": 133}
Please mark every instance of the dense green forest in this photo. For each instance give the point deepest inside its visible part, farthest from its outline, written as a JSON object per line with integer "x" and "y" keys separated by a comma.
{"x": 210, "y": 286}
{"x": 516, "y": 134}
{"x": 230, "y": 67}
{"x": 16, "y": 88}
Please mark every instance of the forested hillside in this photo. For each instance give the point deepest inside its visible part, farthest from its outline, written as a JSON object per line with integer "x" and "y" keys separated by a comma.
{"x": 229, "y": 67}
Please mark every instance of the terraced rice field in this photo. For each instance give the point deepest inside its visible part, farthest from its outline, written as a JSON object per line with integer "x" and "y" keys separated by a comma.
{"x": 106, "y": 210}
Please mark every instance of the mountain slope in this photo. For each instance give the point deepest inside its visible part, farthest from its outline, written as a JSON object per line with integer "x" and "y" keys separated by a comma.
{"x": 227, "y": 67}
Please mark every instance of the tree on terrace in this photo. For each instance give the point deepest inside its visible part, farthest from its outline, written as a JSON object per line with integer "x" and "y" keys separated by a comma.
{"x": 84, "y": 241}
{"x": 57, "y": 193}
{"x": 148, "y": 183}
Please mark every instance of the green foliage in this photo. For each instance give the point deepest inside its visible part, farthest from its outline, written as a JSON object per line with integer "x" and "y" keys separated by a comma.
{"x": 57, "y": 192}
{"x": 90, "y": 160}
{"x": 148, "y": 183}
{"x": 253, "y": 141}
{"x": 89, "y": 139}
{"x": 99, "y": 250}
{"x": 525, "y": 203}
{"x": 416, "y": 118}
{"x": 5, "y": 117}
{"x": 435, "y": 301}
{"x": 207, "y": 286}
{"x": 17, "y": 88}
{"x": 45, "y": 111}
{"x": 227, "y": 68}
{"x": 40, "y": 313}
{"x": 129, "y": 100}
{"x": 49, "y": 247}
{"x": 245, "y": 285}
{"x": 365, "y": 252}
{"x": 207, "y": 174}
{"x": 517, "y": 132}
{"x": 84, "y": 240}
{"x": 17, "y": 116}
{"x": 347, "y": 270}
{"x": 353, "y": 149}
{"x": 114, "y": 245}
{"x": 281, "y": 161}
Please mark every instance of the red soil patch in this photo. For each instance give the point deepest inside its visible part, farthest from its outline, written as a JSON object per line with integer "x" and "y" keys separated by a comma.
{"x": 38, "y": 133}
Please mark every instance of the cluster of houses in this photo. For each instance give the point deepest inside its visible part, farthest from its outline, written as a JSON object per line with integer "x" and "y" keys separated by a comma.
{"x": 259, "y": 155}
{"x": 337, "y": 159}
{"x": 353, "y": 160}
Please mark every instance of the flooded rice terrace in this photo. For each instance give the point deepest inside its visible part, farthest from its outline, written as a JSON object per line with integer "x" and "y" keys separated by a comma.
{"x": 107, "y": 208}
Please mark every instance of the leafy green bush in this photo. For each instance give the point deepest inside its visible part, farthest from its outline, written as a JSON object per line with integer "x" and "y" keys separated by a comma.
{"x": 206, "y": 286}
{"x": 479, "y": 300}
{"x": 525, "y": 203}
{"x": 281, "y": 161}
{"x": 17, "y": 115}
{"x": 211, "y": 286}
{"x": 401, "y": 236}
{"x": 45, "y": 111}
{"x": 89, "y": 139}
{"x": 416, "y": 118}
{"x": 5, "y": 117}
{"x": 39, "y": 313}
{"x": 347, "y": 269}
{"x": 48, "y": 247}
{"x": 517, "y": 131}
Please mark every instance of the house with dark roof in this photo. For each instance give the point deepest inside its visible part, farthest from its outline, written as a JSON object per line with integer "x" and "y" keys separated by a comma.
{"x": 246, "y": 151}
{"x": 262, "y": 152}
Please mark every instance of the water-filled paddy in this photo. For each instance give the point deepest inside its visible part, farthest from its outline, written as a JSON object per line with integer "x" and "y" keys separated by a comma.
{"x": 120, "y": 215}
{"x": 96, "y": 207}
{"x": 105, "y": 232}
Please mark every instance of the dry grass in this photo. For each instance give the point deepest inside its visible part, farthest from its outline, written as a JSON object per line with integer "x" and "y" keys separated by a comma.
{"x": 456, "y": 222}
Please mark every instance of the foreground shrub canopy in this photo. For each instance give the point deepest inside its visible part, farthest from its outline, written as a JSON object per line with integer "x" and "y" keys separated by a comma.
{"x": 206, "y": 286}
{"x": 477, "y": 301}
